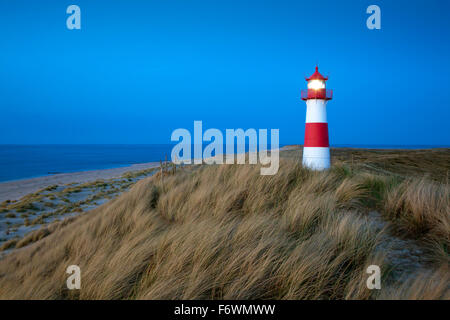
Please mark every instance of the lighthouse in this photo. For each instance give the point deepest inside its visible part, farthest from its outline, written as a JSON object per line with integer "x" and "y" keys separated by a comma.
{"x": 316, "y": 149}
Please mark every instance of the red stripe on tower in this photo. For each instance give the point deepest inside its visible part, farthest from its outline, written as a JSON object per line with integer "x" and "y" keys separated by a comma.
{"x": 316, "y": 134}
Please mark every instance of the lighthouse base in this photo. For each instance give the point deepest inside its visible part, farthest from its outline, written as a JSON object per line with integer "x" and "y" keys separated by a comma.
{"x": 316, "y": 158}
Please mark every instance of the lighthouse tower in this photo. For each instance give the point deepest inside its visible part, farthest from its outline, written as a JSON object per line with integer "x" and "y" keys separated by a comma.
{"x": 316, "y": 150}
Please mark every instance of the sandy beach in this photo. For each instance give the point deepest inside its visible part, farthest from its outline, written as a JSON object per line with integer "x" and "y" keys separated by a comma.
{"x": 14, "y": 190}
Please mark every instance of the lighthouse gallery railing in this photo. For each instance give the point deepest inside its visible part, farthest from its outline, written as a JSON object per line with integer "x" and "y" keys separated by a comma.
{"x": 317, "y": 94}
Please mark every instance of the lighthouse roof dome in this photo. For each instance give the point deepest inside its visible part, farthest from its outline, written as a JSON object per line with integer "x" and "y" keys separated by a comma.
{"x": 317, "y": 76}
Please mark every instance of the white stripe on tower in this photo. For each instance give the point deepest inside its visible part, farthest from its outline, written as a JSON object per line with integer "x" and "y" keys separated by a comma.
{"x": 316, "y": 110}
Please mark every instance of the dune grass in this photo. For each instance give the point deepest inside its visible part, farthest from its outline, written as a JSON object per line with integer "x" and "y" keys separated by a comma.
{"x": 226, "y": 232}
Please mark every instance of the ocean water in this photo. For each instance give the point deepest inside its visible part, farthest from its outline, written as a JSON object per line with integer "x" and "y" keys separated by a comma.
{"x": 29, "y": 161}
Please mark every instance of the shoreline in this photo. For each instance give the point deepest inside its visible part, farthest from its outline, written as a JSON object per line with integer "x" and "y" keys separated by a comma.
{"x": 16, "y": 189}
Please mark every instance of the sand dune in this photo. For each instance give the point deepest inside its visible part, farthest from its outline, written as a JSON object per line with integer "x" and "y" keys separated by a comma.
{"x": 227, "y": 232}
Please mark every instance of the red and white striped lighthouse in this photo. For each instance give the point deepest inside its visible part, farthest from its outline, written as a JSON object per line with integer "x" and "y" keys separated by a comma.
{"x": 316, "y": 150}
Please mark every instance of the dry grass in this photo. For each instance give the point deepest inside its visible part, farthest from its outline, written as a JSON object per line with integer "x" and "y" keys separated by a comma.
{"x": 226, "y": 232}
{"x": 434, "y": 164}
{"x": 430, "y": 285}
{"x": 421, "y": 209}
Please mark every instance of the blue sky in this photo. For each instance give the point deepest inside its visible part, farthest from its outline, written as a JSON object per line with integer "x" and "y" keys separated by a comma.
{"x": 137, "y": 70}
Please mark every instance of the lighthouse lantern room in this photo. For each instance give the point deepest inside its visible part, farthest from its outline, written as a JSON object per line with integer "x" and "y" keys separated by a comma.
{"x": 316, "y": 149}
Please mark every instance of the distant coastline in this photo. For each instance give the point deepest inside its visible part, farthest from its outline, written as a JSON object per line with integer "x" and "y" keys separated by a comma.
{"x": 16, "y": 189}
{"x": 20, "y": 162}
{"x": 379, "y": 146}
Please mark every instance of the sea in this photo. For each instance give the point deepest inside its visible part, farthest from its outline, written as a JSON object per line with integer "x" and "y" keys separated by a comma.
{"x": 29, "y": 161}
